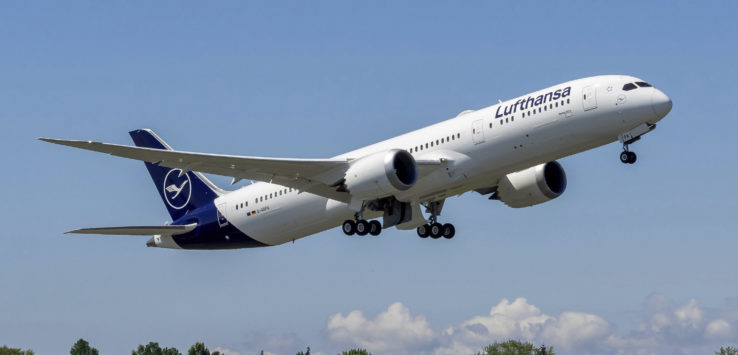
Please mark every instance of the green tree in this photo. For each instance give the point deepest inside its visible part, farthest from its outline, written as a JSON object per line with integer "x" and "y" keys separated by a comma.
{"x": 5, "y": 350}
{"x": 729, "y": 350}
{"x": 307, "y": 352}
{"x": 543, "y": 350}
{"x": 356, "y": 351}
{"x": 515, "y": 347}
{"x": 153, "y": 348}
{"x": 81, "y": 347}
{"x": 198, "y": 349}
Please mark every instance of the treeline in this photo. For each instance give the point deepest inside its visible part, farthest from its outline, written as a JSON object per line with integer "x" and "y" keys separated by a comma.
{"x": 509, "y": 347}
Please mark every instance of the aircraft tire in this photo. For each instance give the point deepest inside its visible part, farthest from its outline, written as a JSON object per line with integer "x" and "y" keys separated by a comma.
{"x": 375, "y": 228}
{"x": 349, "y": 227}
{"x": 632, "y": 157}
{"x": 625, "y": 157}
{"x": 449, "y": 231}
{"x": 362, "y": 227}
{"x": 436, "y": 229}
{"x": 423, "y": 231}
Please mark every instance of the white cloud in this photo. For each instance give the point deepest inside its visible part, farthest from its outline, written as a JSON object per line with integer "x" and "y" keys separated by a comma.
{"x": 572, "y": 330}
{"x": 689, "y": 315}
{"x": 516, "y": 319}
{"x": 392, "y": 331}
{"x": 666, "y": 328}
{"x": 719, "y": 329}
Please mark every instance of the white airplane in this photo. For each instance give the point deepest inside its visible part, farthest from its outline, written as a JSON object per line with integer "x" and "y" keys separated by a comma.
{"x": 507, "y": 150}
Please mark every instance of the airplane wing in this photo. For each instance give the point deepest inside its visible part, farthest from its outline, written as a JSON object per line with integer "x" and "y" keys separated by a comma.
{"x": 137, "y": 230}
{"x": 317, "y": 176}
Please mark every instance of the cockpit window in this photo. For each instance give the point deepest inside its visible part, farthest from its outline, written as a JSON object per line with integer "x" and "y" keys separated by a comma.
{"x": 643, "y": 84}
{"x": 629, "y": 86}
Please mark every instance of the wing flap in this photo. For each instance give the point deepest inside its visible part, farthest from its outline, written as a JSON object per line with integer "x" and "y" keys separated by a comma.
{"x": 137, "y": 230}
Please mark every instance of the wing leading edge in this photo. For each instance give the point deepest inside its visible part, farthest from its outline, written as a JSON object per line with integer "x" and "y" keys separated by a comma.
{"x": 316, "y": 176}
{"x": 310, "y": 175}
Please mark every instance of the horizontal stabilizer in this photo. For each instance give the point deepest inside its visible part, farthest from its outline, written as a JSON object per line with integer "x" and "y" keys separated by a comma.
{"x": 137, "y": 230}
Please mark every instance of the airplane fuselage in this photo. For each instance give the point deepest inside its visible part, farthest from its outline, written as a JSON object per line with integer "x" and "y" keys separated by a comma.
{"x": 476, "y": 149}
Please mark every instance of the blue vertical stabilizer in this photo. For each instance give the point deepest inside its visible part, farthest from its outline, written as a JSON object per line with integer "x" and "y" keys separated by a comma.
{"x": 181, "y": 192}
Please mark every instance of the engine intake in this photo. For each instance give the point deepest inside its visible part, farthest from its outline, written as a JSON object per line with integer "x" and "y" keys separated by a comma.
{"x": 381, "y": 174}
{"x": 532, "y": 186}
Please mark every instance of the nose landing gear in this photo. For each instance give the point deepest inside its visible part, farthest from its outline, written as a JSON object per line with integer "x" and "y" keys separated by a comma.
{"x": 627, "y": 157}
{"x": 630, "y": 137}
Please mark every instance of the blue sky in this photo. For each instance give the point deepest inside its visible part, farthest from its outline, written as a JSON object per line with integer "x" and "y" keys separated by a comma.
{"x": 630, "y": 258}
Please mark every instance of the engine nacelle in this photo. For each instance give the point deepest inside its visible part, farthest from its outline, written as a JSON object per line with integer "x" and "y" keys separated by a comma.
{"x": 532, "y": 186}
{"x": 381, "y": 174}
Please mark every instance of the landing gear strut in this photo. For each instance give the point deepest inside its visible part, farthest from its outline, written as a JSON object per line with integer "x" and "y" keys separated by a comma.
{"x": 434, "y": 229}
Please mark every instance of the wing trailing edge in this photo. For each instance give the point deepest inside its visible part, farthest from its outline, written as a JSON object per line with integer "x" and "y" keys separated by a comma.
{"x": 137, "y": 230}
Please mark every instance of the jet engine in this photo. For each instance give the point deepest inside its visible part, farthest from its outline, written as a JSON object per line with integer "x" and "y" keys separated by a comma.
{"x": 532, "y": 186}
{"x": 380, "y": 174}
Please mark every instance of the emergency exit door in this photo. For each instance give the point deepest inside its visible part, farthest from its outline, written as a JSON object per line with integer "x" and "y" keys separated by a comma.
{"x": 478, "y": 131}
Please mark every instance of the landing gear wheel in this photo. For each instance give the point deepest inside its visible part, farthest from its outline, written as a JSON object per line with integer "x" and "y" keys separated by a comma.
{"x": 625, "y": 157}
{"x": 362, "y": 227}
{"x": 349, "y": 227}
{"x": 375, "y": 228}
{"x": 632, "y": 157}
{"x": 423, "y": 231}
{"x": 436, "y": 229}
{"x": 448, "y": 231}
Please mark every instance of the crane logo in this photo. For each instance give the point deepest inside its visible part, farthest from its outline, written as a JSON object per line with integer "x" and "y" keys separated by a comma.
{"x": 177, "y": 189}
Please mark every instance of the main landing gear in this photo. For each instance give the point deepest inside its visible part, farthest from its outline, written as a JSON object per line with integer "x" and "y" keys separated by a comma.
{"x": 361, "y": 227}
{"x": 434, "y": 229}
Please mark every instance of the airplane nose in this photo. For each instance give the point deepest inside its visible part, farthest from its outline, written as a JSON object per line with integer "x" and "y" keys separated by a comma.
{"x": 660, "y": 103}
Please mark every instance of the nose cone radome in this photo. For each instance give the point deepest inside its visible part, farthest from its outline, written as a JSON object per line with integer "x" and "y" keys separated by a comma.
{"x": 660, "y": 103}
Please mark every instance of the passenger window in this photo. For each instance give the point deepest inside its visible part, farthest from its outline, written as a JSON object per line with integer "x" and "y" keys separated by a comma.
{"x": 436, "y": 141}
{"x": 441, "y": 140}
{"x": 629, "y": 86}
{"x": 236, "y": 207}
{"x": 512, "y": 119}
{"x": 426, "y": 145}
{"x": 567, "y": 101}
{"x": 458, "y": 135}
{"x": 523, "y": 114}
{"x": 643, "y": 84}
